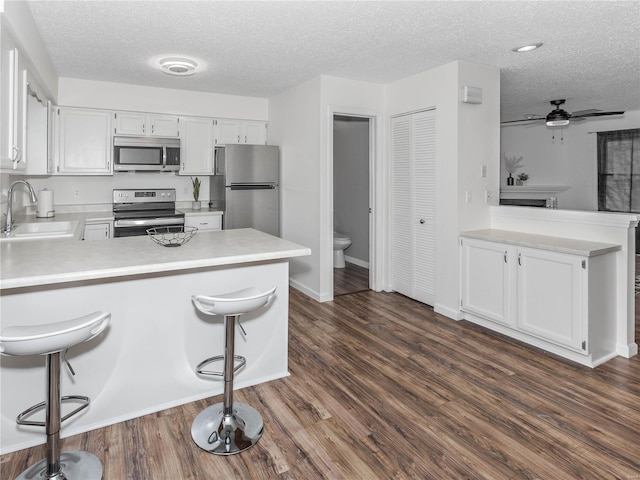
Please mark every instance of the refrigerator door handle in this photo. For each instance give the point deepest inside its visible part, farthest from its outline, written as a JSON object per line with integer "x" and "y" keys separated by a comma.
{"x": 252, "y": 186}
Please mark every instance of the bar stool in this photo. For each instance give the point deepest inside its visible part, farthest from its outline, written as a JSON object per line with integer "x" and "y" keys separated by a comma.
{"x": 227, "y": 428}
{"x": 50, "y": 340}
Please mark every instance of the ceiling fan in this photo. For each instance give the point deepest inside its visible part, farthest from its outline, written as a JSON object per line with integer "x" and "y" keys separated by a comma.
{"x": 559, "y": 117}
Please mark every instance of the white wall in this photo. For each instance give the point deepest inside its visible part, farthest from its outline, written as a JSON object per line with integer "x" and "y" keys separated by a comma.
{"x": 467, "y": 137}
{"x": 294, "y": 125}
{"x": 301, "y": 122}
{"x": 568, "y": 159}
{"x": 74, "y": 92}
{"x": 351, "y": 183}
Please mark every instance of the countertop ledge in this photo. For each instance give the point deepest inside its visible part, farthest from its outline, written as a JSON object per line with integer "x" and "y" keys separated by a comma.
{"x": 28, "y": 264}
{"x": 571, "y": 246}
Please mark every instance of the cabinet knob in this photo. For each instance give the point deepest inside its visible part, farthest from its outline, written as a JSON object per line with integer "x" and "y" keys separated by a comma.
{"x": 422, "y": 220}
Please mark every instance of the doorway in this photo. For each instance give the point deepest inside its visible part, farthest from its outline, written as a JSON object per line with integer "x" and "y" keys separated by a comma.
{"x": 351, "y": 202}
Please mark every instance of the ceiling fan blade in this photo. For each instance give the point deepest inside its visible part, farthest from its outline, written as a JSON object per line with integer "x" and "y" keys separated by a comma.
{"x": 597, "y": 114}
{"x": 523, "y": 120}
{"x": 584, "y": 112}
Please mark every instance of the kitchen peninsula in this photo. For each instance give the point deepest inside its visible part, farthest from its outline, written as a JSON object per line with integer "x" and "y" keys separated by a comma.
{"x": 145, "y": 360}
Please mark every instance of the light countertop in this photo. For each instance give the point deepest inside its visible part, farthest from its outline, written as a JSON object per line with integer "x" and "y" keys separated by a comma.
{"x": 556, "y": 244}
{"x": 44, "y": 262}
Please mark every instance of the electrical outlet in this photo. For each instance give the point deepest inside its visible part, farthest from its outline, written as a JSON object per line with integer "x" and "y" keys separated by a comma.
{"x": 468, "y": 196}
{"x": 76, "y": 193}
{"x": 483, "y": 171}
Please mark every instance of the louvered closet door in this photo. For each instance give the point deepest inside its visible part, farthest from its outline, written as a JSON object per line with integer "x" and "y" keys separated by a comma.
{"x": 413, "y": 205}
{"x": 401, "y": 216}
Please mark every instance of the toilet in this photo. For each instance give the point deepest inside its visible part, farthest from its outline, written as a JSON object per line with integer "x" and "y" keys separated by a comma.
{"x": 341, "y": 242}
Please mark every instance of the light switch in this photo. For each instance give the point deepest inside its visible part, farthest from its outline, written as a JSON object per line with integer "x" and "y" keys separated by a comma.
{"x": 468, "y": 196}
{"x": 483, "y": 171}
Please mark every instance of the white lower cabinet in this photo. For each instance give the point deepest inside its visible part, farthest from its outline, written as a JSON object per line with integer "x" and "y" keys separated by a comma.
{"x": 204, "y": 222}
{"x": 563, "y": 303}
{"x": 551, "y": 297}
{"x": 486, "y": 287}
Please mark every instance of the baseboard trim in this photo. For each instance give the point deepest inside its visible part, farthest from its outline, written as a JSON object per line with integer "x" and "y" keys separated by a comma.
{"x": 448, "y": 312}
{"x": 356, "y": 261}
{"x": 307, "y": 291}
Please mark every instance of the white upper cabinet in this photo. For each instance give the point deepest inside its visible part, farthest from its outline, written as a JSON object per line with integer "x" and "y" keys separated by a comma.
{"x": 13, "y": 97}
{"x": 82, "y": 140}
{"x": 143, "y": 124}
{"x": 250, "y": 132}
{"x": 37, "y": 131}
{"x": 197, "y": 146}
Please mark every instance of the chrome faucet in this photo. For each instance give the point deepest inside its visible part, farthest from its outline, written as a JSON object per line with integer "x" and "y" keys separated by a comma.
{"x": 32, "y": 194}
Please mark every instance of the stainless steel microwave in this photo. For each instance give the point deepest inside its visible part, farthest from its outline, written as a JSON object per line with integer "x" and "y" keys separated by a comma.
{"x": 146, "y": 154}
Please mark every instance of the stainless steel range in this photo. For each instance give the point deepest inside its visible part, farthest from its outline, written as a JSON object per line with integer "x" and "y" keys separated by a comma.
{"x": 135, "y": 211}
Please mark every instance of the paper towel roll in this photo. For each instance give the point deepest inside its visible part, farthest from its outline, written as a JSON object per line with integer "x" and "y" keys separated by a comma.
{"x": 45, "y": 204}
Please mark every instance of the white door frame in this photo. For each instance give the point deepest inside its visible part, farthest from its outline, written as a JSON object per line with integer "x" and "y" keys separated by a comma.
{"x": 376, "y": 204}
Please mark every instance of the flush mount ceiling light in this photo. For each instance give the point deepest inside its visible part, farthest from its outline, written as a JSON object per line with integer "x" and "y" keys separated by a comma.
{"x": 178, "y": 66}
{"x": 527, "y": 48}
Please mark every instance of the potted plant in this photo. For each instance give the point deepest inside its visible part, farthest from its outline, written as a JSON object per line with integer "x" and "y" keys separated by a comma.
{"x": 511, "y": 164}
{"x": 522, "y": 178}
{"x": 196, "y": 193}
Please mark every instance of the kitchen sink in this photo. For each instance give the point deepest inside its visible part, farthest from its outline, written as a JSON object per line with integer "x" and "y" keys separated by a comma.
{"x": 41, "y": 230}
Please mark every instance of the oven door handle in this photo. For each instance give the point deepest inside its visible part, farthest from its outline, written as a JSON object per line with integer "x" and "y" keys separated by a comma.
{"x": 152, "y": 222}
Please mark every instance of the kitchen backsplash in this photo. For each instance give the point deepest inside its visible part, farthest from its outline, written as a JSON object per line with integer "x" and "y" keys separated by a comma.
{"x": 98, "y": 189}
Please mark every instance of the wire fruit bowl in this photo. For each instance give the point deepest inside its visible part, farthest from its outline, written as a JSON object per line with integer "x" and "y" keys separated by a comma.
{"x": 171, "y": 236}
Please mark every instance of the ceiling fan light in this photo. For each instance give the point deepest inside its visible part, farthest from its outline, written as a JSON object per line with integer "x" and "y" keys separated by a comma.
{"x": 560, "y": 122}
{"x": 527, "y": 48}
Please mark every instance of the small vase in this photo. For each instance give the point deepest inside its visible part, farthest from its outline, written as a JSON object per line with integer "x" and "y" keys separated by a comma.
{"x": 510, "y": 180}
{"x": 196, "y": 205}
{"x": 518, "y": 182}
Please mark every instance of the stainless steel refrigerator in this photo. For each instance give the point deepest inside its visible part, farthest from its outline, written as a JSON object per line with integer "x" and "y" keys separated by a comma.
{"x": 246, "y": 187}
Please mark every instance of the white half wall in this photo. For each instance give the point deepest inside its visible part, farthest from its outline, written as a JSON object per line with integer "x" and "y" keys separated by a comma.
{"x": 563, "y": 156}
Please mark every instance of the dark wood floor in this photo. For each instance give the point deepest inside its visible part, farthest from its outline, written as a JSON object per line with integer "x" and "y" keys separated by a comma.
{"x": 351, "y": 279}
{"x": 382, "y": 388}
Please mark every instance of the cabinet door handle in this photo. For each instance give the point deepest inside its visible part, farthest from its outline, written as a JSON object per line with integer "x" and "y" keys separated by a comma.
{"x": 520, "y": 259}
{"x": 505, "y": 256}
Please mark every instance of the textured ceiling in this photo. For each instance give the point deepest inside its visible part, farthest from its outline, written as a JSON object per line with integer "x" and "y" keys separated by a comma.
{"x": 591, "y": 52}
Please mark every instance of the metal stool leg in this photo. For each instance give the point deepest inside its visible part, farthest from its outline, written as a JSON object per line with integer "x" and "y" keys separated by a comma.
{"x": 74, "y": 465}
{"x": 227, "y": 428}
